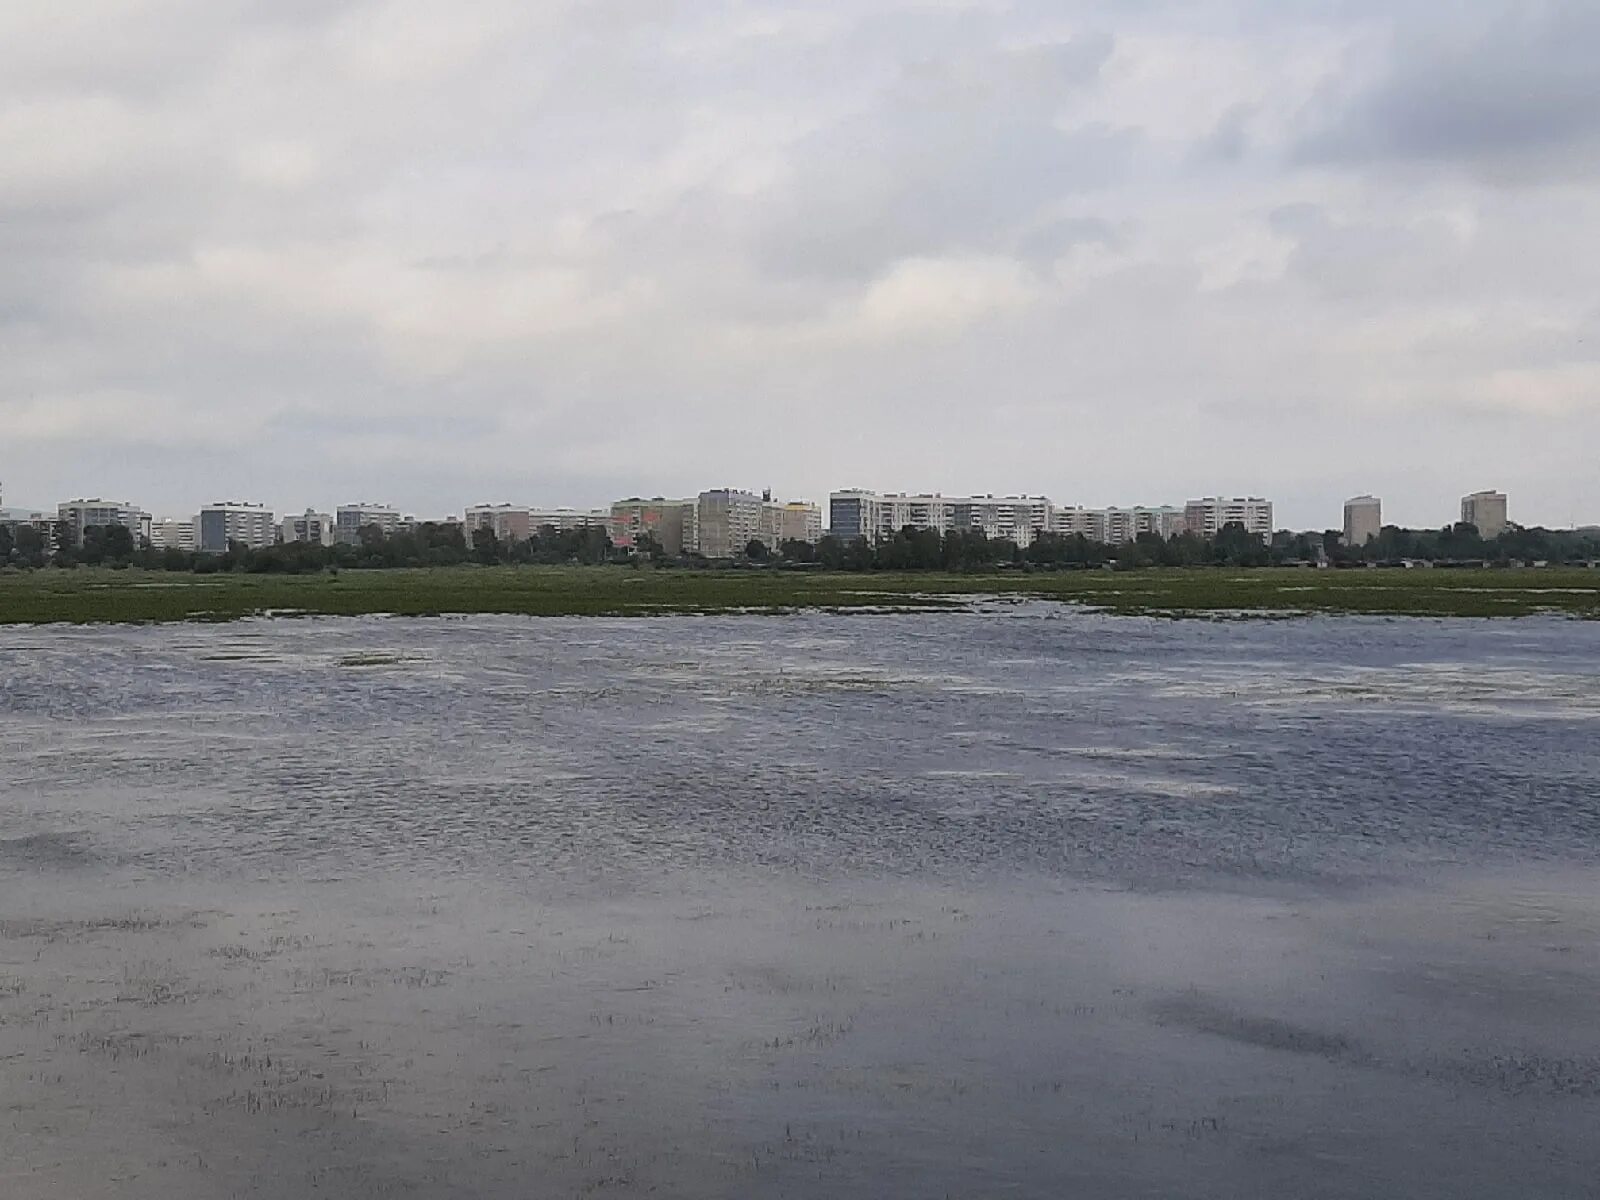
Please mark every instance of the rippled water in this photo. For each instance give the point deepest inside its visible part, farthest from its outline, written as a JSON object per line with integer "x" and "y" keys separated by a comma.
{"x": 1023, "y": 902}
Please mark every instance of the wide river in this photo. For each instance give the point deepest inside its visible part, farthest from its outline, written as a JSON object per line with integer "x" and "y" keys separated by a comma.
{"x": 1015, "y": 902}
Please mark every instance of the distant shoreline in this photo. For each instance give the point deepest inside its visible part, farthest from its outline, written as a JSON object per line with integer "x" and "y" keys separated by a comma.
{"x": 89, "y": 596}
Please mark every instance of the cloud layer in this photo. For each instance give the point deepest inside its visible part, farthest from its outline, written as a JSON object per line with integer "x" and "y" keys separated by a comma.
{"x": 560, "y": 252}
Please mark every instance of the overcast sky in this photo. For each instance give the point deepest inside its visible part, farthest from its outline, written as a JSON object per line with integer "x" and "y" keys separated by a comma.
{"x": 310, "y": 251}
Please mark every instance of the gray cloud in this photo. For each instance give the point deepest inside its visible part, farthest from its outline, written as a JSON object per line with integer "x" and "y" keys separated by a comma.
{"x": 1513, "y": 92}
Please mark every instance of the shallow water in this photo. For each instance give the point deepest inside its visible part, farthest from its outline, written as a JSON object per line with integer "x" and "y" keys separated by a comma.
{"x": 1024, "y": 902}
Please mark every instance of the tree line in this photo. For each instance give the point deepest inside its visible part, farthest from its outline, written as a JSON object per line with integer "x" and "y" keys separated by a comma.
{"x": 911, "y": 549}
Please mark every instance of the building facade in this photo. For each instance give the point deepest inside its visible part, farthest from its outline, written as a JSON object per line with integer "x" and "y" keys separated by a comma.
{"x": 169, "y": 534}
{"x": 319, "y": 529}
{"x": 1486, "y": 510}
{"x": 729, "y": 520}
{"x": 1363, "y": 520}
{"x": 351, "y": 519}
{"x": 563, "y": 520}
{"x": 234, "y": 521}
{"x": 80, "y": 515}
{"x": 795, "y": 521}
{"x": 508, "y": 522}
{"x": 1207, "y": 517}
{"x": 674, "y": 524}
{"x": 857, "y": 513}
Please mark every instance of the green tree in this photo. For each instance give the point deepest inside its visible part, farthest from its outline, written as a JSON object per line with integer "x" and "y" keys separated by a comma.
{"x": 756, "y": 550}
{"x": 485, "y": 547}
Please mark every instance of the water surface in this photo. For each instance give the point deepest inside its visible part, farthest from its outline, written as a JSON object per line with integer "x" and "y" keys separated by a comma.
{"x": 1023, "y": 902}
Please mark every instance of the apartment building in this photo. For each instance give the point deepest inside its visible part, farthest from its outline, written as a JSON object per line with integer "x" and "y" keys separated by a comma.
{"x": 1075, "y": 519}
{"x": 319, "y": 529}
{"x": 1127, "y": 524}
{"x": 80, "y": 515}
{"x": 564, "y": 520}
{"x": 169, "y": 534}
{"x": 795, "y": 521}
{"x": 234, "y": 521}
{"x": 41, "y": 523}
{"x": 1363, "y": 520}
{"x": 857, "y": 513}
{"x": 674, "y": 524}
{"x": 1486, "y": 510}
{"x": 508, "y": 522}
{"x": 1210, "y": 515}
{"x": 351, "y": 519}
{"x": 729, "y": 521}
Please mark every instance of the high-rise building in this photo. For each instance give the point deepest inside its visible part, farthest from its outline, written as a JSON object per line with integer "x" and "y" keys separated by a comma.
{"x": 1210, "y": 515}
{"x": 351, "y": 519}
{"x": 86, "y": 514}
{"x": 795, "y": 521}
{"x": 729, "y": 521}
{"x": 562, "y": 520}
{"x": 508, "y": 522}
{"x": 169, "y": 534}
{"x": 856, "y": 513}
{"x": 234, "y": 521}
{"x": 1084, "y": 522}
{"x": 1486, "y": 510}
{"x": 310, "y": 526}
{"x": 1125, "y": 524}
{"x": 1363, "y": 520}
{"x": 674, "y": 524}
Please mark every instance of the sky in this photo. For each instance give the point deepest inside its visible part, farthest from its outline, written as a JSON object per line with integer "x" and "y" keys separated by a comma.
{"x": 307, "y": 252}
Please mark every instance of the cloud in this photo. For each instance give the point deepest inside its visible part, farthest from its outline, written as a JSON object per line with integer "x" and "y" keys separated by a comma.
{"x": 1508, "y": 91}
{"x": 561, "y": 252}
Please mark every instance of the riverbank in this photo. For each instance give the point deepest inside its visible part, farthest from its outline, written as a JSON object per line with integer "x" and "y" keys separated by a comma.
{"x": 96, "y": 596}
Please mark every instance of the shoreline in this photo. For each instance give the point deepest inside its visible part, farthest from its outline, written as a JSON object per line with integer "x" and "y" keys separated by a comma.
{"x": 104, "y": 596}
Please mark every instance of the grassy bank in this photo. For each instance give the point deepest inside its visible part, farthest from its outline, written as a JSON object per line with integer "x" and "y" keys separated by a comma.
{"x": 97, "y": 596}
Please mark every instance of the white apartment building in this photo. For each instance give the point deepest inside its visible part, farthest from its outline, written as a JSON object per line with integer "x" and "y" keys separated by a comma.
{"x": 565, "y": 519}
{"x": 85, "y": 514}
{"x": 1486, "y": 510}
{"x": 674, "y": 524}
{"x": 1208, "y": 516}
{"x": 317, "y": 528}
{"x": 351, "y": 519}
{"x": 856, "y": 513}
{"x": 729, "y": 520}
{"x": 1075, "y": 519}
{"x": 1126, "y": 524}
{"x": 234, "y": 521}
{"x": 169, "y": 534}
{"x": 1363, "y": 520}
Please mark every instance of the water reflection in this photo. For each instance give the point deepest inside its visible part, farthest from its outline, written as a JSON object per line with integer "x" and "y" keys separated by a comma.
{"x": 1029, "y": 903}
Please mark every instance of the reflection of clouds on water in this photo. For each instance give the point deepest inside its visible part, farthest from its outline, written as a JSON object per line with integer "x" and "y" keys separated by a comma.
{"x": 1028, "y": 901}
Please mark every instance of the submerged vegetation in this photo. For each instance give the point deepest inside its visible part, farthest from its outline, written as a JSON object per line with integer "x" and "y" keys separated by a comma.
{"x": 102, "y": 595}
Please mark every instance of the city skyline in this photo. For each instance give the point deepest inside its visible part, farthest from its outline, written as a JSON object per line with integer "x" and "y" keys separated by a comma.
{"x": 848, "y": 512}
